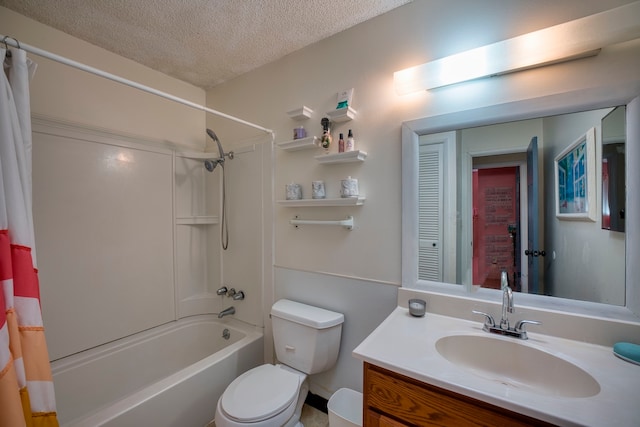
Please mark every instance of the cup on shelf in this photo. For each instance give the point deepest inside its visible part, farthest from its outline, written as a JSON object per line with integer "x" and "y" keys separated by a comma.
{"x": 317, "y": 190}
{"x": 349, "y": 187}
{"x": 293, "y": 191}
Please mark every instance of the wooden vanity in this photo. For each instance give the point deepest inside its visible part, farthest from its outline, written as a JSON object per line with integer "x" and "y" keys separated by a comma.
{"x": 409, "y": 379}
{"x": 394, "y": 400}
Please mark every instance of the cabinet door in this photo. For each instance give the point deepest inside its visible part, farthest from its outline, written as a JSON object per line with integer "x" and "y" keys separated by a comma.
{"x": 420, "y": 404}
{"x": 374, "y": 419}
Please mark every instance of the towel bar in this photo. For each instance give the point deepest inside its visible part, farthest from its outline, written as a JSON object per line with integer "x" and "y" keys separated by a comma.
{"x": 346, "y": 223}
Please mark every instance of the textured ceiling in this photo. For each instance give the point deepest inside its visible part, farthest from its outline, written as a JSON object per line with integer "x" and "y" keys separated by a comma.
{"x": 203, "y": 42}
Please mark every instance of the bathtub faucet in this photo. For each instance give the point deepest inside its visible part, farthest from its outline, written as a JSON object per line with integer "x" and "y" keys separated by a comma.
{"x": 226, "y": 312}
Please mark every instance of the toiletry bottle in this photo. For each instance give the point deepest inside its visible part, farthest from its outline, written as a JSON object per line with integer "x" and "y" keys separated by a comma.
{"x": 351, "y": 144}
{"x": 341, "y": 144}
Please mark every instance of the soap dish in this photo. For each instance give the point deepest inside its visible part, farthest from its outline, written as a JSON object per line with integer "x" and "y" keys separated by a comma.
{"x": 627, "y": 351}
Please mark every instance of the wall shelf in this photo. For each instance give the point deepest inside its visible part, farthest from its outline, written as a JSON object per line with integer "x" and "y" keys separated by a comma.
{"x": 300, "y": 144}
{"x": 346, "y": 157}
{"x": 342, "y": 114}
{"x": 344, "y": 201}
{"x": 197, "y": 220}
{"x": 301, "y": 113}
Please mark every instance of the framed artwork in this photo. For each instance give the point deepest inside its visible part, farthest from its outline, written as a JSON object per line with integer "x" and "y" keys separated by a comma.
{"x": 575, "y": 176}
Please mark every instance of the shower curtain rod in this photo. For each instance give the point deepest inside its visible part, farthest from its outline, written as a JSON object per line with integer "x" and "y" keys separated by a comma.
{"x": 7, "y": 40}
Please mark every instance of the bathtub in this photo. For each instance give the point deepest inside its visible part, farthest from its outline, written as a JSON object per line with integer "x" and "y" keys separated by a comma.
{"x": 171, "y": 375}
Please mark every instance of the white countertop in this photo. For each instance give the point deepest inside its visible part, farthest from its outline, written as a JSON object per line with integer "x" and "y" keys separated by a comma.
{"x": 407, "y": 345}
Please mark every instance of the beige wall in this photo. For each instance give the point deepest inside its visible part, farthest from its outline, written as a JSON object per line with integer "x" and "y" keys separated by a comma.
{"x": 61, "y": 92}
{"x": 364, "y": 58}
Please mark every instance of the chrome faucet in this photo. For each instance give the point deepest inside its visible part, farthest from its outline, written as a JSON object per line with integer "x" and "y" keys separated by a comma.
{"x": 507, "y": 300}
{"x": 507, "y": 307}
{"x": 222, "y": 290}
{"x": 226, "y": 312}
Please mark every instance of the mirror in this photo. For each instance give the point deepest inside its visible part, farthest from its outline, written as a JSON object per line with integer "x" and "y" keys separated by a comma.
{"x": 556, "y": 233}
{"x": 613, "y": 169}
{"x": 498, "y": 216}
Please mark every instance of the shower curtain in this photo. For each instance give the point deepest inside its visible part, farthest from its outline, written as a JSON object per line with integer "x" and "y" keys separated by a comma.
{"x": 26, "y": 386}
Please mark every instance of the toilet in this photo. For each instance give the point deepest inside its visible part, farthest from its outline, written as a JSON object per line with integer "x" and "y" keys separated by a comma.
{"x": 306, "y": 341}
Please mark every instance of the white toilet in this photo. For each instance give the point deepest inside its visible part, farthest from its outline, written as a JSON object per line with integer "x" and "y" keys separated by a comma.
{"x": 306, "y": 340}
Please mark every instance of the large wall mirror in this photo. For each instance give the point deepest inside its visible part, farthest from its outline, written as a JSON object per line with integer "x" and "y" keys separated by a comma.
{"x": 536, "y": 192}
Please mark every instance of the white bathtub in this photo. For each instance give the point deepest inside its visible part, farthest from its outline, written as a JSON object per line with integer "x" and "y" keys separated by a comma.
{"x": 171, "y": 375}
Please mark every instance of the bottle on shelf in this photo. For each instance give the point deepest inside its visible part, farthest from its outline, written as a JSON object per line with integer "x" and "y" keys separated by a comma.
{"x": 341, "y": 144}
{"x": 351, "y": 143}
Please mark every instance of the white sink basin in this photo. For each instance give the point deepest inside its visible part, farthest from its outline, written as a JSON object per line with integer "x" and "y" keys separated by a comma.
{"x": 517, "y": 365}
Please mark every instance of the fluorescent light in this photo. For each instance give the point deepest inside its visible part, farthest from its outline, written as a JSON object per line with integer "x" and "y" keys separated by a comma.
{"x": 571, "y": 40}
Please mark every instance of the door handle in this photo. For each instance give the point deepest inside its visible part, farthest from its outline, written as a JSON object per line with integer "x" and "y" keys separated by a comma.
{"x": 534, "y": 253}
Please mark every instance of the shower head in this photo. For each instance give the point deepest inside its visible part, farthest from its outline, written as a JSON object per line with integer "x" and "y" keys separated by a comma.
{"x": 211, "y": 164}
{"x": 213, "y": 136}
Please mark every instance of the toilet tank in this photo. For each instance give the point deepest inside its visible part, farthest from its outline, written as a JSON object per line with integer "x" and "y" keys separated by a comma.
{"x": 306, "y": 338}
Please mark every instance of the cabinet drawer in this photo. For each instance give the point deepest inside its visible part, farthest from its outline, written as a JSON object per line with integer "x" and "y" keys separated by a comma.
{"x": 415, "y": 403}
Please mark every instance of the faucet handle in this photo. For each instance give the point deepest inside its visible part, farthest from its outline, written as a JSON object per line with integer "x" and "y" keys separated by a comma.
{"x": 222, "y": 290}
{"x": 520, "y": 325}
{"x": 488, "y": 320}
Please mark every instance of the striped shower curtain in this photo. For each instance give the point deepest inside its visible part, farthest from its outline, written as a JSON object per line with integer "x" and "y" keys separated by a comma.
{"x": 26, "y": 386}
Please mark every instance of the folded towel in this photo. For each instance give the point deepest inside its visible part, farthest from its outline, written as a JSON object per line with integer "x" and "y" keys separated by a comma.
{"x": 627, "y": 351}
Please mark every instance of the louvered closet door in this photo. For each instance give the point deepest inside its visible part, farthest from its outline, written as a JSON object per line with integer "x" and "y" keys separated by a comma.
{"x": 430, "y": 198}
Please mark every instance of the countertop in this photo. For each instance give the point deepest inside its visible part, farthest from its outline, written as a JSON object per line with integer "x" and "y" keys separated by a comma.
{"x": 407, "y": 345}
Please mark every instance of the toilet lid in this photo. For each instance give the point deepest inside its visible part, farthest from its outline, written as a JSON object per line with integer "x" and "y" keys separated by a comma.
{"x": 260, "y": 393}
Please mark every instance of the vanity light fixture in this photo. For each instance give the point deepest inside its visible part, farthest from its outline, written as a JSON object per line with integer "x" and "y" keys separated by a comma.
{"x": 564, "y": 42}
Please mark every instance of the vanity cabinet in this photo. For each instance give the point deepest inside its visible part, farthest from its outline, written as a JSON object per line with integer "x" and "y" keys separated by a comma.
{"x": 394, "y": 400}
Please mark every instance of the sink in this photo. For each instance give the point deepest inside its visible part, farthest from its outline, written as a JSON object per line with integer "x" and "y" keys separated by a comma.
{"x": 517, "y": 365}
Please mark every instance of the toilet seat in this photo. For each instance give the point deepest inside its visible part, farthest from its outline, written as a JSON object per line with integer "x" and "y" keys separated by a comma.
{"x": 261, "y": 393}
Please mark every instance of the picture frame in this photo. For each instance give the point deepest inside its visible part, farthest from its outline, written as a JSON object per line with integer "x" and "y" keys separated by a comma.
{"x": 575, "y": 179}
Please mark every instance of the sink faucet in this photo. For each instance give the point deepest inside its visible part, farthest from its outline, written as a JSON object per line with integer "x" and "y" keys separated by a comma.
{"x": 507, "y": 300}
{"x": 226, "y": 312}
{"x": 507, "y": 307}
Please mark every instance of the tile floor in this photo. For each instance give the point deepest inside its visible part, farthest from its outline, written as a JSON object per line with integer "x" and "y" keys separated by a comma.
{"x": 311, "y": 417}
